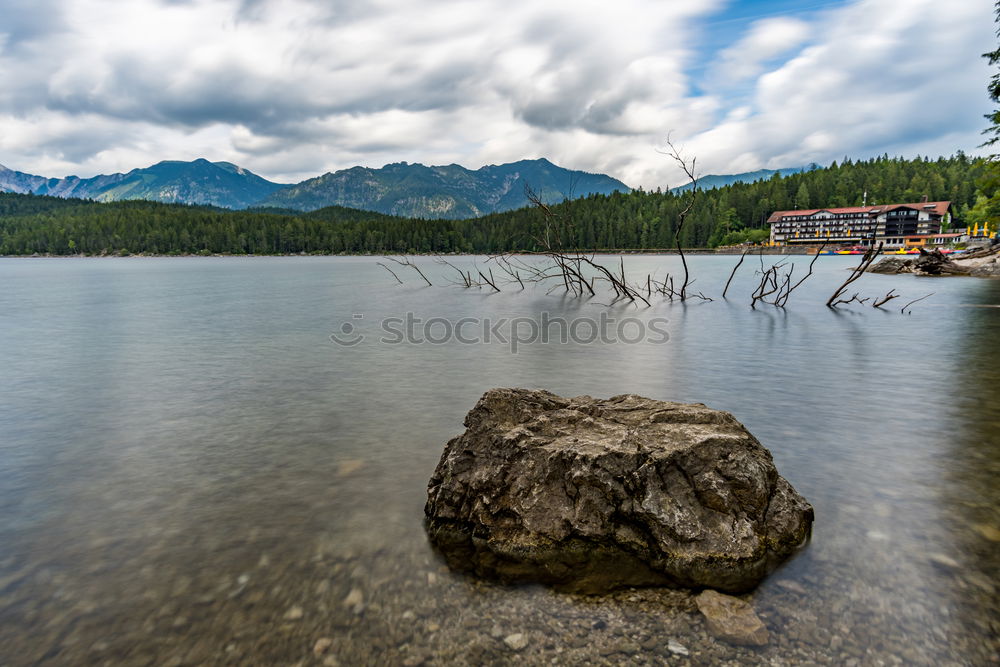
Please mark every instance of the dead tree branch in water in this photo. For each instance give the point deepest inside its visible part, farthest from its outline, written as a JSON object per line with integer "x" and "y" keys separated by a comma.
{"x": 742, "y": 257}
{"x": 667, "y": 289}
{"x": 504, "y": 264}
{"x": 390, "y": 271}
{"x": 466, "y": 277}
{"x": 405, "y": 262}
{"x": 491, "y": 281}
{"x": 858, "y": 271}
{"x": 775, "y": 287}
{"x": 782, "y": 298}
{"x": 768, "y": 286}
{"x": 689, "y": 170}
{"x": 855, "y": 298}
{"x": 903, "y": 309}
{"x": 889, "y": 296}
{"x": 571, "y": 265}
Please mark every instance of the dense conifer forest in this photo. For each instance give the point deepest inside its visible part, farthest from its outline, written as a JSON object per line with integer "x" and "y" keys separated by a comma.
{"x": 634, "y": 221}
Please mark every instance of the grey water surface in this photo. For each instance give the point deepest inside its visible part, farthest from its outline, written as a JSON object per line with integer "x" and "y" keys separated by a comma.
{"x": 192, "y": 471}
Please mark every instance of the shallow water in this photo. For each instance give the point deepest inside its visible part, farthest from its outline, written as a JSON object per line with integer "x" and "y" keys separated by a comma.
{"x": 193, "y": 472}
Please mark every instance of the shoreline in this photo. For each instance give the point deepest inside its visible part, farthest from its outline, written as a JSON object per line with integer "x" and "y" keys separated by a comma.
{"x": 602, "y": 253}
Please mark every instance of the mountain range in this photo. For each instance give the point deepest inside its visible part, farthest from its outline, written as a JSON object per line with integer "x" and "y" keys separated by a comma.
{"x": 198, "y": 182}
{"x": 710, "y": 181}
{"x": 452, "y": 191}
{"x": 411, "y": 190}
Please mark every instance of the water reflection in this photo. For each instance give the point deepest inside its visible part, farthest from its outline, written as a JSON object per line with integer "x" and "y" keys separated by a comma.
{"x": 969, "y": 494}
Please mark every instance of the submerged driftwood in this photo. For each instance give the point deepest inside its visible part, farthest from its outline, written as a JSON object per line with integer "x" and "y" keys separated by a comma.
{"x": 590, "y": 495}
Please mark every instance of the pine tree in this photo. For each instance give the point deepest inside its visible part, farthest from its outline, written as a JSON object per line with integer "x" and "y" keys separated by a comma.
{"x": 987, "y": 207}
{"x": 802, "y": 197}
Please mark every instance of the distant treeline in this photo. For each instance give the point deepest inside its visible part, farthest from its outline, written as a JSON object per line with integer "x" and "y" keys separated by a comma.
{"x": 638, "y": 220}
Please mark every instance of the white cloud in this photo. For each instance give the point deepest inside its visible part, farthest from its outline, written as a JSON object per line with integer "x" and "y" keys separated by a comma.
{"x": 292, "y": 88}
{"x": 880, "y": 75}
{"x": 766, "y": 40}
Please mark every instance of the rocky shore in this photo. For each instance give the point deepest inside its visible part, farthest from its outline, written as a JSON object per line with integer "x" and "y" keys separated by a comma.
{"x": 984, "y": 263}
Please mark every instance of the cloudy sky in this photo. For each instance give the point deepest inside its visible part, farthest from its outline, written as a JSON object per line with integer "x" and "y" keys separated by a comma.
{"x": 294, "y": 88}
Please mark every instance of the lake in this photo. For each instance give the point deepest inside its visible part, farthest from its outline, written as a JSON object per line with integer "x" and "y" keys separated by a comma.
{"x": 192, "y": 471}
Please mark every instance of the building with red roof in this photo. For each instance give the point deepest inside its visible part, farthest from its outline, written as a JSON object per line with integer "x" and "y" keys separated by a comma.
{"x": 889, "y": 224}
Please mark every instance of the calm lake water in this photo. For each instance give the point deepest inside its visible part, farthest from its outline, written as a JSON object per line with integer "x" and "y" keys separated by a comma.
{"x": 193, "y": 472}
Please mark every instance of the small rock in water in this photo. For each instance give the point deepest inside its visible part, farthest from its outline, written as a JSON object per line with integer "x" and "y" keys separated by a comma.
{"x": 321, "y": 646}
{"x": 792, "y": 586}
{"x": 628, "y": 647}
{"x": 883, "y": 510}
{"x": 355, "y": 600}
{"x": 349, "y": 466}
{"x": 294, "y": 614}
{"x": 980, "y": 581}
{"x": 944, "y": 562}
{"x": 989, "y": 532}
{"x": 676, "y": 647}
{"x": 731, "y": 619}
{"x": 516, "y": 641}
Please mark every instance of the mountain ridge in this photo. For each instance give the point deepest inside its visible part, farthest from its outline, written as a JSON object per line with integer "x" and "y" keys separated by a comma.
{"x": 442, "y": 191}
{"x": 169, "y": 181}
{"x": 399, "y": 188}
{"x": 709, "y": 181}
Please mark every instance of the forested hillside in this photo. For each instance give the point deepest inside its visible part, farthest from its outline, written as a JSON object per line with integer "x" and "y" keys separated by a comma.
{"x": 637, "y": 220}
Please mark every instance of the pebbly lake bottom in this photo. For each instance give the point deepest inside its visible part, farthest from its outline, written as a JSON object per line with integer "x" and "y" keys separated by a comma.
{"x": 193, "y": 472}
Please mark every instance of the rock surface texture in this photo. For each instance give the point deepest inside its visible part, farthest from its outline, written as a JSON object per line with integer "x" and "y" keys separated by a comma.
{"x": 591, "y": 495}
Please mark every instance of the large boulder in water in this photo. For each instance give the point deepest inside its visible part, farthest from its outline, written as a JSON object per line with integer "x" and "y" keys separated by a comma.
{"x": 591, "y": 495}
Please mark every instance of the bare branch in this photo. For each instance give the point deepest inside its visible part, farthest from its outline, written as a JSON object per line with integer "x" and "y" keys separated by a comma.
{"x": 903, "y": 309}
{"x": 466, "y": 278}
{"x": 390, "y": 271}
{"x": 406, "y": 262}
{"x": 856, "y": 273}
{"x": 782, "y": 298}
{"x": 889, "y": 296}
{"x": 742, "y": 257}
{"x": 489, "y": 281}
{"x": 682, "y": 216}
